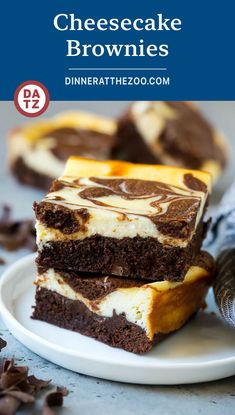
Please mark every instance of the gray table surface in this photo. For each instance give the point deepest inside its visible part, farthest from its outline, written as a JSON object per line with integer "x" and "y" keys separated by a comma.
{"x": 96, "y": 396}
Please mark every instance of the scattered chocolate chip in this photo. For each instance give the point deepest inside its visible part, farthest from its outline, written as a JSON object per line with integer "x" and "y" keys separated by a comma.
{"x": 2, "y": 261}
{"x": 14, "y": 390}
{"x": 23, "y": 397}
{"x": 54, "y": 399}
{"x": 38, "y": 384}
{"x": 9, "y": 405}
{"x": 16, "y": 234}
{"x": 18, "y": 388}
{"x": 3, "y": 344}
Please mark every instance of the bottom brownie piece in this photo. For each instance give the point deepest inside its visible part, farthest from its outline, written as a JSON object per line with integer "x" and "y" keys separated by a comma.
{"x": 132, "y": 317}
{"x": 74, "y": 315}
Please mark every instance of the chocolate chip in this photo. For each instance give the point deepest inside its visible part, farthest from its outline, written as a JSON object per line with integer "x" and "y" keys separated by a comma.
{"x": 18, "y": 388}
{"x": 16, "y": 234}
{"x": 2, "y": 261}
{"x": 55, "y": 398}
{"x": 3, "y": 344}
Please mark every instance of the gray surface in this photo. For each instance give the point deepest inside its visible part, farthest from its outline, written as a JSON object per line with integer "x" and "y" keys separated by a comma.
{"x": 89, "y": 395}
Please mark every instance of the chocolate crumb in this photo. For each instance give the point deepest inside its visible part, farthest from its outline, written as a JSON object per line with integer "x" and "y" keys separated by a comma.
{"x": 38, "y": 384}
{"x": 14, "y": 387}
{"x": 2, "y": 261}
{"x": 55, "y": 398}
{"x": 16, "y": 234}
{"x": 3, "y": 344}
{"x": 18, "y": 388}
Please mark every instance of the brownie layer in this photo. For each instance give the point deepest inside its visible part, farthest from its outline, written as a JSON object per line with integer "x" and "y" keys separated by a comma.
{"x": 93, "y": 286}
{"x": 28, "y": 176}
{"x": 115, "y": 331}
{"x": 143, "y": 258}
{"x": 96, "y": 286}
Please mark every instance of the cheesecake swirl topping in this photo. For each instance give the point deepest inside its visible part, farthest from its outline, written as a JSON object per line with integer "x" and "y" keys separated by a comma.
{"x": 163, "y": 204}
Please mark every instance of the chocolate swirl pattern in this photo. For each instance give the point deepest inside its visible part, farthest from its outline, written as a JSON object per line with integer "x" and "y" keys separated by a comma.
{"x": 123, "y": 219}
{"x": 131, "y": 199}
{"x": 87, "y": 143}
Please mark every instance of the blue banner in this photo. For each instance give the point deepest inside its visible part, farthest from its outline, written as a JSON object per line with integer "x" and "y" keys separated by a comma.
{"x": 125, "y": 50}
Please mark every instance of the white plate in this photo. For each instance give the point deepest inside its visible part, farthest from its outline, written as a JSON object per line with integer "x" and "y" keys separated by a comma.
{"x": 203, "y": 350}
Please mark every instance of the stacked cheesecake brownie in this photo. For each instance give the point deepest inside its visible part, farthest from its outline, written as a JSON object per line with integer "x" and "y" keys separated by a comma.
{"x": 119, "y": 251}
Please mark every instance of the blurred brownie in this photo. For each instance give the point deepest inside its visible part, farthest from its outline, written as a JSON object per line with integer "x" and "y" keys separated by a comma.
{"x": 127, "y": 313}
{"x": 171, "y": 133}
{"x": 123, "y": 219}
{"x": 38, "y": 151}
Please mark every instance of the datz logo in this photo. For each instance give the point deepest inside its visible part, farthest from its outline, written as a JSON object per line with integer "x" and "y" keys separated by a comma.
{"x": 71, "y": 23}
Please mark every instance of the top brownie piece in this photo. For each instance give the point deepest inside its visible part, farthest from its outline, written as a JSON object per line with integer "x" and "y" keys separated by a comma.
{"x": 138, "y": 221}
{"x": 172, "y": 133}
{"x": 39, "y": 150}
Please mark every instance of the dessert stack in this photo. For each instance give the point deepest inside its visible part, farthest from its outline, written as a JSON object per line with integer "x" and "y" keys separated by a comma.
{"x": 119, "y": 251}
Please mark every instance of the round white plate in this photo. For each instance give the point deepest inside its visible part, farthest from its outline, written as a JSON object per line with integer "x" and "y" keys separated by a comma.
{"x": 203, "y": 350}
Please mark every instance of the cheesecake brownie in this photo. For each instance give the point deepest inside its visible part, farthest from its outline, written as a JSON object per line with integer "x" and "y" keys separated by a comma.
{"x": 123, "y": 219}
{"x": 38, "y": 151}
{"x": 172, "y": 133}
{"x": 125, "y": 313}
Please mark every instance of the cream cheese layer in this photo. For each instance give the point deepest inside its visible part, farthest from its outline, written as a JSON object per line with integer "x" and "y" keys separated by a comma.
{"x": 150, "y": 306}
{"x": 120, "y": 207}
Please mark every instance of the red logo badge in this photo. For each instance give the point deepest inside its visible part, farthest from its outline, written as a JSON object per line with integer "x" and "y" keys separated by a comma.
{"x": 31, "y": 98}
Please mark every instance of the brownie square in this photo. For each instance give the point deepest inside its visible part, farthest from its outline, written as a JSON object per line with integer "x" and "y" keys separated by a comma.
{"x": 135, "y": 221}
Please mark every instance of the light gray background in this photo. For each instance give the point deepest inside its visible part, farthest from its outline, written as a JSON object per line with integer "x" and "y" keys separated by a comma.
{"x": 89, "y": 395}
